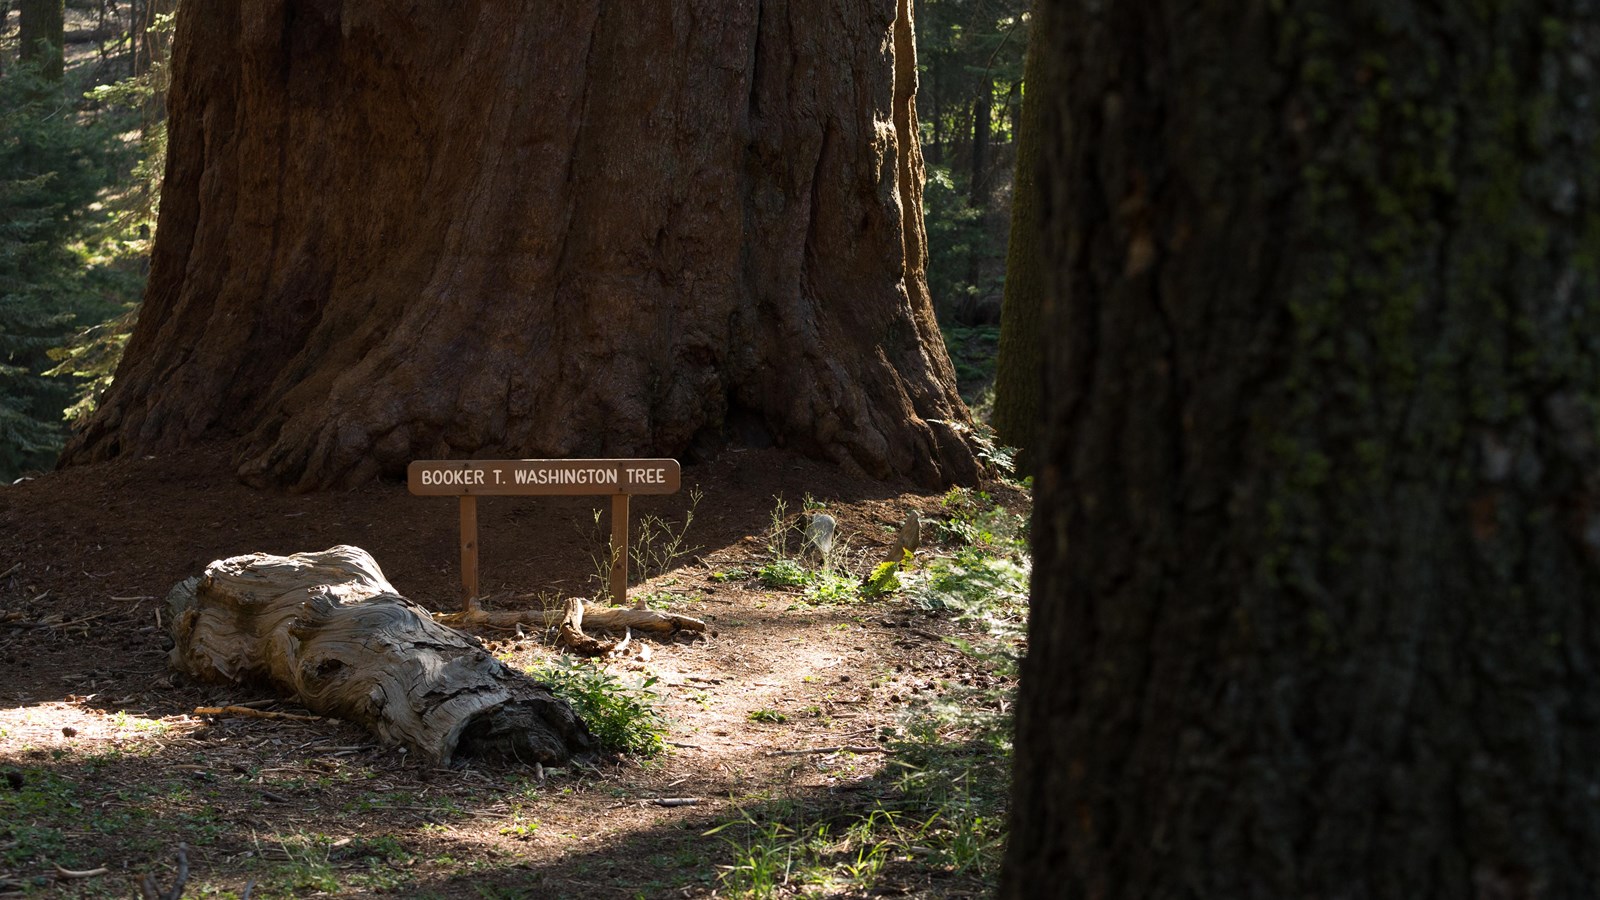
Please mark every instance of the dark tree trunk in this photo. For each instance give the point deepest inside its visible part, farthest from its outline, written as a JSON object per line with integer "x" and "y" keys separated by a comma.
{"x": 41, "y": 34}
{"x": 982, "y": 126}
{"x": 582, "y": 229}
{"x": 1020, "y": 365}
{"x": 1318, "y": 511}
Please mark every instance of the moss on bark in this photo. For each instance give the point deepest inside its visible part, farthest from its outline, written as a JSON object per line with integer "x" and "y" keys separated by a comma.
{"x": 1318, "y": 508}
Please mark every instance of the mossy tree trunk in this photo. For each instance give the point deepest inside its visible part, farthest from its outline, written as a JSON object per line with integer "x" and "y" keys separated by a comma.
{"x": 41, "y": 35}
{"x": 391, "y": 231}
{"x": 1318, "y": 511}
{"x": 1019, "y": 366}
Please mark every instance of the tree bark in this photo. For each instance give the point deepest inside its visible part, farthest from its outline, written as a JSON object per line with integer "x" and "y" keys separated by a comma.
{"x": 329, "y": 631}
{"x": 391, "y": 231}
{"x": 41, "y": 33}
{"x": 1318, "y": 516}
{"x": 1019, "y": 367}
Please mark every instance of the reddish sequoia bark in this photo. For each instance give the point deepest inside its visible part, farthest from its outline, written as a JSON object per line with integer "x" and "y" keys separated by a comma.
{"x": 556, "y": 229}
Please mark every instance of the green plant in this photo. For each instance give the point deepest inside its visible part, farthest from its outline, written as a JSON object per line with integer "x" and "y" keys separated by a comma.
{"x": 623, "y": 716}
{"x": 974, "y": 518}
{"x": 519, "y": 827}
{"x": 657, "y": 546}
{"x": 770, "y": 716}
{"x": 309, "y": 866}
{"x": 783, "y": 572}
{"x": 885, "y": 579}
{"x": 974, "y": 584}
{"x": 830, "y": 586}
{"x": 762, "y": 862}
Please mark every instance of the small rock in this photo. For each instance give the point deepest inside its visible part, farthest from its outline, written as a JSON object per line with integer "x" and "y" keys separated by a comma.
{"x": 819, "y": 534}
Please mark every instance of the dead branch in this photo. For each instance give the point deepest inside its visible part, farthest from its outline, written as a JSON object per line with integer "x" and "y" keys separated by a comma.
{"x": 601, "y": 617}
{"x": 571, "y": 619}
{"x": 149, "y": 890}
{"x": 251, "y": 713}
{"x": 571, "y": 636}
{"x": 839, "y": 749}
{"x": 76, "y": 874}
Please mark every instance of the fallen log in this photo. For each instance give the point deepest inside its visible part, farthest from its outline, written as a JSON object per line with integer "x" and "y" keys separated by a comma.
{"x": 328, "y": 630}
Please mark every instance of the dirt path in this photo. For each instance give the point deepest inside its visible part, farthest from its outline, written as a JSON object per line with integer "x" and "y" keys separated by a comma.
{"x": 108, "y": 766}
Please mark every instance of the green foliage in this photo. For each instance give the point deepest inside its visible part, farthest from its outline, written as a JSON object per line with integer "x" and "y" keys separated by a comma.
{"x": 762, "y": 862}
{"x": 968, "y": 102}
{"x": 974, "y": 518}
{"x": 768, "y": 716}
{"x": 622, "y": 715}
{"x": 974, "y": 353}
{"x": 960, "y": 242}
{"x": 54, "y": 161}
{"x": 885, "y": 579}
{"x": 784, "y": 572}
{"x": 832, "y": 586}
{"x": 973, "y": 583}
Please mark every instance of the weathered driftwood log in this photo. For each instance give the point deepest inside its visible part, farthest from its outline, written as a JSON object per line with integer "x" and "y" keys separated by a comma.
{"x": 329, "y": 630}
{"x": 572, "y": 618}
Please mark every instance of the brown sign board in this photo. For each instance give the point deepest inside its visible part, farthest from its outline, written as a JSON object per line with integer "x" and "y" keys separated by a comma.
{"x": 542, "y": 477}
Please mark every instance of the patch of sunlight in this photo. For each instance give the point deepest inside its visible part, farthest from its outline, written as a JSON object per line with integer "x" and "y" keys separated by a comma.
{"x": 76, "y": 723}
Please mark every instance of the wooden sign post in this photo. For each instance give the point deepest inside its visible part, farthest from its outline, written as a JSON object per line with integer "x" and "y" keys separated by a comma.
{"x": 470, "y": 479}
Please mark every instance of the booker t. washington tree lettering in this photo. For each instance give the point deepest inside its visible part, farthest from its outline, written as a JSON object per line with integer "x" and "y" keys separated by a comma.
{"x": 1318, "y": 525}
{"x": 392, "y": 231}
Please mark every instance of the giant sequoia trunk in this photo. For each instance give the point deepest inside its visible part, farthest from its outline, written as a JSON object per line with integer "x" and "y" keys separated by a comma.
{"x": 392, "y": 231}
{"x": 1319, "y": 501}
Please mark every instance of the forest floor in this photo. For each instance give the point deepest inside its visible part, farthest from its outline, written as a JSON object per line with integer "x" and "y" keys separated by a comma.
{"x": 819, "y": 743}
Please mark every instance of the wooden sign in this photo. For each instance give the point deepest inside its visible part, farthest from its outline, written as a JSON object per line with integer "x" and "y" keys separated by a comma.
{"x": 469, "y": 479}
{"x": 569, "y": 477}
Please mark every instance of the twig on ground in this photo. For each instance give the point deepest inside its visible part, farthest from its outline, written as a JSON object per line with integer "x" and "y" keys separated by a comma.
{"x": 74, "y": 875}
{"x": 627, "y": 637}
{"x": 676, "y": 801}
{"x": 251, "y": 713}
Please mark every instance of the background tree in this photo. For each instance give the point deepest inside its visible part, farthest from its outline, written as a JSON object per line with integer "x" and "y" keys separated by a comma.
{"x": 41, "y": 35}
{"x": 1317, "y": 507}
{"x": 1020, "y": 363}
{"x": 972, "y": 52}
{"x": 395, "y": 234}
{"x": 52, "y": 167}
{"x": 70, "y": 254}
